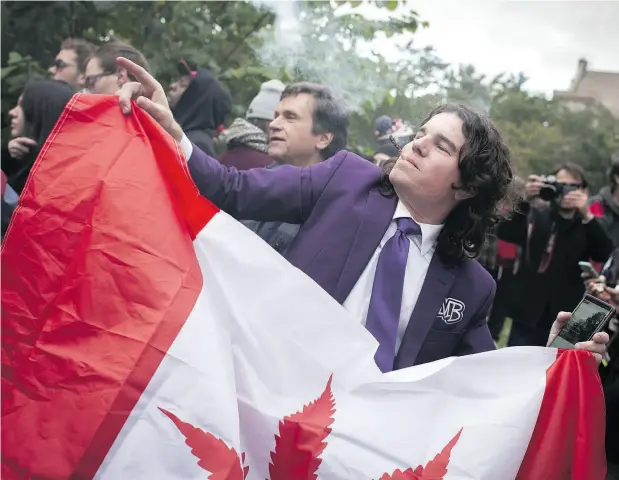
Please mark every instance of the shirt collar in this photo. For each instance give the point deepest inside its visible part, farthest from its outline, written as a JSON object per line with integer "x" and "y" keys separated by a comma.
{"x": 429, "y": 233}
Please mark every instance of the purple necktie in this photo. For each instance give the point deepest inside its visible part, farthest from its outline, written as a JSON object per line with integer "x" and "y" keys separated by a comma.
{"x": 386, "y": 300}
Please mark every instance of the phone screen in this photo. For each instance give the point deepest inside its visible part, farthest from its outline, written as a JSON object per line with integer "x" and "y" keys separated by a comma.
{"x": 586, "y": 320}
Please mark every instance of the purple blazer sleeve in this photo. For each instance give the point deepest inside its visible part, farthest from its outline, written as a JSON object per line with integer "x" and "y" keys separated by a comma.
{"x": 478, "y": 339}
{"x": 285, "y": 194}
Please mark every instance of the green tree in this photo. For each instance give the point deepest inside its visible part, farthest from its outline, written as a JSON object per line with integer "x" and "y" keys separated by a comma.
{"x": 410, "y": 93}
{"x": 213, "y": 34}
{"x": 227, "y": 37}
{"x": 542, "y": 134}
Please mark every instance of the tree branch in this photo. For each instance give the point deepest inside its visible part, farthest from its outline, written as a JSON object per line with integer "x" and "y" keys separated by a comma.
{"x": 256, "y": 26}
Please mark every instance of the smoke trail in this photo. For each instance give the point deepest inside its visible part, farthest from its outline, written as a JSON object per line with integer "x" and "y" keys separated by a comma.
{"x": 326, "y": 58}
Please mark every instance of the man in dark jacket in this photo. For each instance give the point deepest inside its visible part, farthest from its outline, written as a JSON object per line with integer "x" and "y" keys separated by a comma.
{"x": 310, "y": 125}
{"x": 200, "y": 105}
{"x": 606, "y": 204}
{"x": 247, "y": 139}
{"x": 554, "y": 239}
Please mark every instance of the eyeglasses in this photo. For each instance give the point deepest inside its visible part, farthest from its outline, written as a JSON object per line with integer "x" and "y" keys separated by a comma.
{"x": 61, "y": 65}
{"x": 91, "y": 80}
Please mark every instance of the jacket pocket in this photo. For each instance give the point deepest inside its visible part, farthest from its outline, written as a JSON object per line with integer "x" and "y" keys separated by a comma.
{"x": 439, "y": 344}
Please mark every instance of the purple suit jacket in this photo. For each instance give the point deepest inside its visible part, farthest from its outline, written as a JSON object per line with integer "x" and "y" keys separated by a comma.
{"x": 343, "y": 217}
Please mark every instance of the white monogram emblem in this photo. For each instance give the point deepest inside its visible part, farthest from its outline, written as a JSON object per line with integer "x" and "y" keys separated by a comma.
{"x": 451, "y": 311}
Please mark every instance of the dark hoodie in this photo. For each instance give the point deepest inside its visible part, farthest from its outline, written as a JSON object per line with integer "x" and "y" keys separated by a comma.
{"x": 604, "y": 206}
{"x": 42, "y": 103}
{"x": 202, "y": 108}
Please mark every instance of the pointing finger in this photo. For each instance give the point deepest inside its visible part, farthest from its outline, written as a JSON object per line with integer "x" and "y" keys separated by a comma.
{"x": 141, "y": 75}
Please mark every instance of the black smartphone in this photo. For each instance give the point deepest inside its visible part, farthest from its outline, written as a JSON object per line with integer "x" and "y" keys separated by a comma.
{"x": 589, "y": 317}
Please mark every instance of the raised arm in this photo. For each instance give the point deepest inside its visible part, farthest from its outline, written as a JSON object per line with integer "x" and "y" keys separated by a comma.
{"x": 285, "y": 193}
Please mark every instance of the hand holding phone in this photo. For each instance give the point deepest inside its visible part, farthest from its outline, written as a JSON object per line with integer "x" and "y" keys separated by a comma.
{"x": 588, "y": 318}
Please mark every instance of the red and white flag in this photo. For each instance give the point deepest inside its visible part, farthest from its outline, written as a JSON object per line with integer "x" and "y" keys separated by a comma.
{"x": 148, "y": 335}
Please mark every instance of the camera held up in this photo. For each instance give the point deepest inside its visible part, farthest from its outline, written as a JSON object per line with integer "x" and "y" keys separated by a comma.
{"x": 554, "y": 190}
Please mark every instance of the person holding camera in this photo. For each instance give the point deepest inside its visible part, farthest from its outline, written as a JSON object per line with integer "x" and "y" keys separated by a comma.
{"x": 556, "y": 230}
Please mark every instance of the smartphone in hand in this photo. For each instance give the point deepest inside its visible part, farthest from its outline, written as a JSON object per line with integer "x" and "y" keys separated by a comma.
{"x": 588, "y": 318}
{"x": 587, "y": 268}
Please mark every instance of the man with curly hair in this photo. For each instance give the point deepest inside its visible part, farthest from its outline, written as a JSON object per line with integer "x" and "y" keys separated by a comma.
{"x": 393, "y": 245}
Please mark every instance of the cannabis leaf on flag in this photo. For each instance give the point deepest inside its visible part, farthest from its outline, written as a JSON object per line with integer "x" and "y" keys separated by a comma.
{"x": 299, "y": 443}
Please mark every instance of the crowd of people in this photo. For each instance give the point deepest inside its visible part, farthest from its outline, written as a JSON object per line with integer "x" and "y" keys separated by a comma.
{"x": 392, "y": 236}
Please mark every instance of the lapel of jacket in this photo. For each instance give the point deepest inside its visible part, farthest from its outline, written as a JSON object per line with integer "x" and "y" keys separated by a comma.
{"x": 436, "y": 286}
{"x": 372, "y": 226}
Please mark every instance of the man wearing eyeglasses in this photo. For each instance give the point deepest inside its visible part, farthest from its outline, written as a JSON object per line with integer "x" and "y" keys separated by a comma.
{"x": 555, "y": 230}
{"x": 103, "y": 76}
{"x": 70, "y": 63}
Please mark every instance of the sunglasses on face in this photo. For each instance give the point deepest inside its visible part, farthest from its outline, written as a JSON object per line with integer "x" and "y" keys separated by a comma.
{"x": 61, "y": 65}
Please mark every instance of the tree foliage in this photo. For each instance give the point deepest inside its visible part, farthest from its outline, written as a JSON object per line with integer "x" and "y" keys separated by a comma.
{"x": 245, "y": 44}
{"x": 221, "y": 35}
{"x": 544, "y": 134}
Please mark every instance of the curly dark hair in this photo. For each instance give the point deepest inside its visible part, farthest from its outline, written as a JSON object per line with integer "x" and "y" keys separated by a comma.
{"x": 486, "y": 171}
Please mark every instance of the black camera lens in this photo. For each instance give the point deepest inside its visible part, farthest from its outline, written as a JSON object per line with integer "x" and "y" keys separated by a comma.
{"x": 548, "y": 192}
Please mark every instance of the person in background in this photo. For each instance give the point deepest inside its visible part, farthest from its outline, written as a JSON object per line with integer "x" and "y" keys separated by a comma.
{"x": 310, "y": 125}
{"x": 200, "y": 104}
{"x": 553, "y": 240}
{"x": 247, "y": 140}
{"x": 383, "y": 127}
{"x": 605, "y": 288}
{"x": 32, "y": 120}
{"x": 102, "y": 75}
{"x": 70, "y": 62}
{"x": 502, "y": 260}
{"x": 8, "y": 201}
{"x": 605, "y": 205}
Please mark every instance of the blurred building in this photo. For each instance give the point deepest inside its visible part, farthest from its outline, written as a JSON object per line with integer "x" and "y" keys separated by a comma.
{"x": 590, "y": 88}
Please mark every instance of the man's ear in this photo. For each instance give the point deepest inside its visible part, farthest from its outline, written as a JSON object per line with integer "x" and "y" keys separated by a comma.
{"x": 324, "y": 139}
{"x": 461, "y": 194}
{"x": 122, "y": 77}
{"x": 80, "y": 81}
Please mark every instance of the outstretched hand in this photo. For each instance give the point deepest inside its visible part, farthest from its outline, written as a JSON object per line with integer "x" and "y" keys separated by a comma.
{"x": 597, "y": 345}
{"x": 149, "y": 95}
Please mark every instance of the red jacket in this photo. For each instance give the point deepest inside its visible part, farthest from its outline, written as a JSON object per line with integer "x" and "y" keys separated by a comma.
{"x": 244, "y": 158}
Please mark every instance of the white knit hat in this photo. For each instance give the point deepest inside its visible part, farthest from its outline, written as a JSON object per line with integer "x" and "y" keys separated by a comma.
{"x": 264, "y": 104}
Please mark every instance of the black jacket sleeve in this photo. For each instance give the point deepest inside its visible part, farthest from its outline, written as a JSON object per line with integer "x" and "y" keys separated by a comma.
{"x": 599, "y": 244}
{"x": 514, "y": 229}
{"x": 9, "y": 164}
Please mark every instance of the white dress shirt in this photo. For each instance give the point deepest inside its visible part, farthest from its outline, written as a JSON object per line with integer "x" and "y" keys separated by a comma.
{"x": 186, "y": 147}
{"x": 419, "y": 256}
